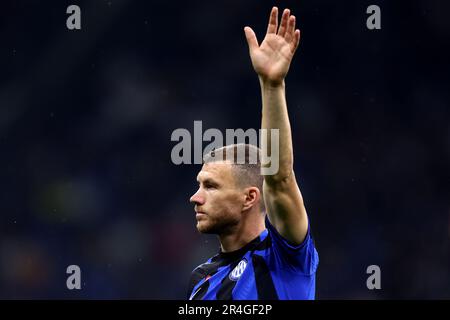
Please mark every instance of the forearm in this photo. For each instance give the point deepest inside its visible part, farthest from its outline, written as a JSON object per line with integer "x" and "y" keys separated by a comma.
{"x": 275, "y": 116}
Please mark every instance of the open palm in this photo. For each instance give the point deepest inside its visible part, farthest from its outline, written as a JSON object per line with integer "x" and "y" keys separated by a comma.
{"x": 271, "y": 59}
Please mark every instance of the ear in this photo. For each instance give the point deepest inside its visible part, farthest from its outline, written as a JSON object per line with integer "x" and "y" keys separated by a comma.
{"x": 252, "y": 198}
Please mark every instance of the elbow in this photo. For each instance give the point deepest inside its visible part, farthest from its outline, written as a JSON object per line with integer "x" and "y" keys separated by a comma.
{"x": 282, "y": 177}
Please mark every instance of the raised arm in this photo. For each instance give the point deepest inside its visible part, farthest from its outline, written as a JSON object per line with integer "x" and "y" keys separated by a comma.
{"x": 271, "y": 61}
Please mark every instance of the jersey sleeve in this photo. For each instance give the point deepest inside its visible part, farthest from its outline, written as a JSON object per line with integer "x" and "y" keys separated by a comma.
{"x": 299, "y": 258}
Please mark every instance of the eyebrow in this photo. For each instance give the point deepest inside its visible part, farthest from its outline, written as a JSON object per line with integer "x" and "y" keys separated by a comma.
{"x": 208, "y": 180}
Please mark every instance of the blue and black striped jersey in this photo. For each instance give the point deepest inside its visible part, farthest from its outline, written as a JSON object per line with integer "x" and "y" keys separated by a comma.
{"x": 267, "y": 268}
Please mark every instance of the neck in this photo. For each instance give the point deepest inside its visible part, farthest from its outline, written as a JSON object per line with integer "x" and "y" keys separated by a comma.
{"x": 243, "y": 233}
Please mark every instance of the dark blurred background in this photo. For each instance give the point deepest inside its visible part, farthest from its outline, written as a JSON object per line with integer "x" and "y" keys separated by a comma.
{"x": 86, "y": 119}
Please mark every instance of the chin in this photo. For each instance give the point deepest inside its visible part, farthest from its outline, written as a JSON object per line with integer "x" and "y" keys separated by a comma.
{"x": 203, "y": 227}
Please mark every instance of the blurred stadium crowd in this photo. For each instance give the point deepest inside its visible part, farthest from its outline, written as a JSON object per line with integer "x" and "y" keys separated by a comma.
{"x": 86, "y": 118}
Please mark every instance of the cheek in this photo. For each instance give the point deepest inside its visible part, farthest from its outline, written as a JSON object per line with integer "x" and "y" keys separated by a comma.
{"x": 222, "y": 203}
{"x": 232, "y": 203}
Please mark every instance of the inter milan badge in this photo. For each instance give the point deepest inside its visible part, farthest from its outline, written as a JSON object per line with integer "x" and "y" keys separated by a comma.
{"x": 238, "y": 270}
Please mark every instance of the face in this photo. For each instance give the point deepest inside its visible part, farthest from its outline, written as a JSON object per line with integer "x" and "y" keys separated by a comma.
{"x": 218, "y": 201}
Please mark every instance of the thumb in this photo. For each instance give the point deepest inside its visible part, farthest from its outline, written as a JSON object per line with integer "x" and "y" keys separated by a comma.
{"x": 251, "y": 38}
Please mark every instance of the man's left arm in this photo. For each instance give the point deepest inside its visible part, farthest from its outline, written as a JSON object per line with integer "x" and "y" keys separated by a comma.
{"x": 271, "y": 61}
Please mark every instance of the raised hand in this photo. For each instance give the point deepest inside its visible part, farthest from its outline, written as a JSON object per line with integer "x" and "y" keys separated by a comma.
{"x": 271, "y": 59}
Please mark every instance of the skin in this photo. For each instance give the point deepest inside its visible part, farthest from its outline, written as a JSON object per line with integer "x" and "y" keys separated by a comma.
{"x": 225, "y": 208}
{"x": 231, "y": 211}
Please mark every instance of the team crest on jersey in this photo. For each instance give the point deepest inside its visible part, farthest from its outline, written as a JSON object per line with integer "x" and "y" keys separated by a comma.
{"x": 238, "y": 270}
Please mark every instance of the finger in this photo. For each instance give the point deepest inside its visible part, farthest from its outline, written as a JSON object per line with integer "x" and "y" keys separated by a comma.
{"x": 290, "y": 29}
{"x": 296, "y": 41}
{"x": 273, "y": 21}
{"x": 284, "y": 21}
{"x": 251, "y": 38}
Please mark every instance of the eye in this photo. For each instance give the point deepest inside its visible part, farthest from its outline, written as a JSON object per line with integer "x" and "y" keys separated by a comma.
{"x": 209, "y": 185}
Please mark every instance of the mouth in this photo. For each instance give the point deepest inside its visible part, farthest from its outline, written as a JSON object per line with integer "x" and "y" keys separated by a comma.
{"x": 199, "y": 214}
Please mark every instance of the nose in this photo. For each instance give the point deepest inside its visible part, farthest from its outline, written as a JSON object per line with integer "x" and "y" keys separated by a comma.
{"x": 197, "y": 198}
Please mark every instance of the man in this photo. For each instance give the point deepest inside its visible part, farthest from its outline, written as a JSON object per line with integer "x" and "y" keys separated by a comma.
{"x": 262, "y": 256}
